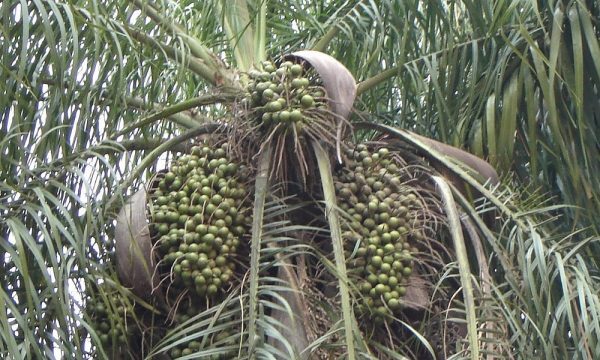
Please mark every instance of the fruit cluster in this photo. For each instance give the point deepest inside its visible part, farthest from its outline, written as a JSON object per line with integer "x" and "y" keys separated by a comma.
{"x": 108, "y": 314}
{"x": 223, "y": 338}
{"x": 286, "y": 94}
{"x": 380, "y": 211}
{"x": 198, "y": 216}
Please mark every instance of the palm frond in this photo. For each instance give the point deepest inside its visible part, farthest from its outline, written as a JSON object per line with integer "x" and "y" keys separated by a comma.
{"x": 463, "y": 263}
{"x": 510, "y": 85}
{"x": 338, "y": 246}
{"x": 98, "y": 95}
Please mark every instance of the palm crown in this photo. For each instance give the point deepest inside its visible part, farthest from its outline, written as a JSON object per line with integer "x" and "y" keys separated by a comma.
{"x": 100, "y": 97}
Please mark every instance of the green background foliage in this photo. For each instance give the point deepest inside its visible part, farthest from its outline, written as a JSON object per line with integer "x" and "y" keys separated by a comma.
{"x": 91, "y": 91}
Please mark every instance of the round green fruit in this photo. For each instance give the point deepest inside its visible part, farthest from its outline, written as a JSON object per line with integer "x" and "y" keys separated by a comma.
{"x": 296, "y": 70}
{"x": 284, "y": 116}
{"x": 299, "y": 83}
{"x": 307, "y": 101}
{"x": 394, "y": 304}
{"x": 268, "y": 94}
{"x": 274, "y": 106}
{"x": 269, "y": 67}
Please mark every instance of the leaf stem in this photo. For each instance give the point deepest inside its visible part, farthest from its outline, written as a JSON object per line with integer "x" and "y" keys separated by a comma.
{"x": 463, "y": 262}
{"x": 260, "y": 194}
{"x": 179, "y": 118}
{"x": 196, "y": 65}
{"x": 322, "y": 44}
{"x": 338, "y": 247}
{"x": 260, "y": 35}
{"x": 237, "y": 25}
{"x": 196, "y": 47}
{"x": 177, "y": 108}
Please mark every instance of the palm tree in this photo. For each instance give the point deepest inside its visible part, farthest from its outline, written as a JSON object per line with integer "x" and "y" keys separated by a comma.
{"x": 100, "y": 97}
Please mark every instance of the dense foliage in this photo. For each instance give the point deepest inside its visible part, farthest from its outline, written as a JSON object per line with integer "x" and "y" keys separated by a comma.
{"x": 97, "y": 97}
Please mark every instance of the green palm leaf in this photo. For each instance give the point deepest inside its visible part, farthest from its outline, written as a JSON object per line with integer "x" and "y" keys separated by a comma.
{"x": 99, "y": 96}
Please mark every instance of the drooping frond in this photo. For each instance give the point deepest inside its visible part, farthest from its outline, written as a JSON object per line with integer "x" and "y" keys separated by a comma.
{"x": 99, "y": 96}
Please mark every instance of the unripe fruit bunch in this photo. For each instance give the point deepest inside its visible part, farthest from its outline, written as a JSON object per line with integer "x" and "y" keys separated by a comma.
{"x": 222, "y": 339}
{"x": 286, "y": 94}
{"x": 381, "y": 219}
{"x": 199, "y": 215}
{"x": 108, "y": 315}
